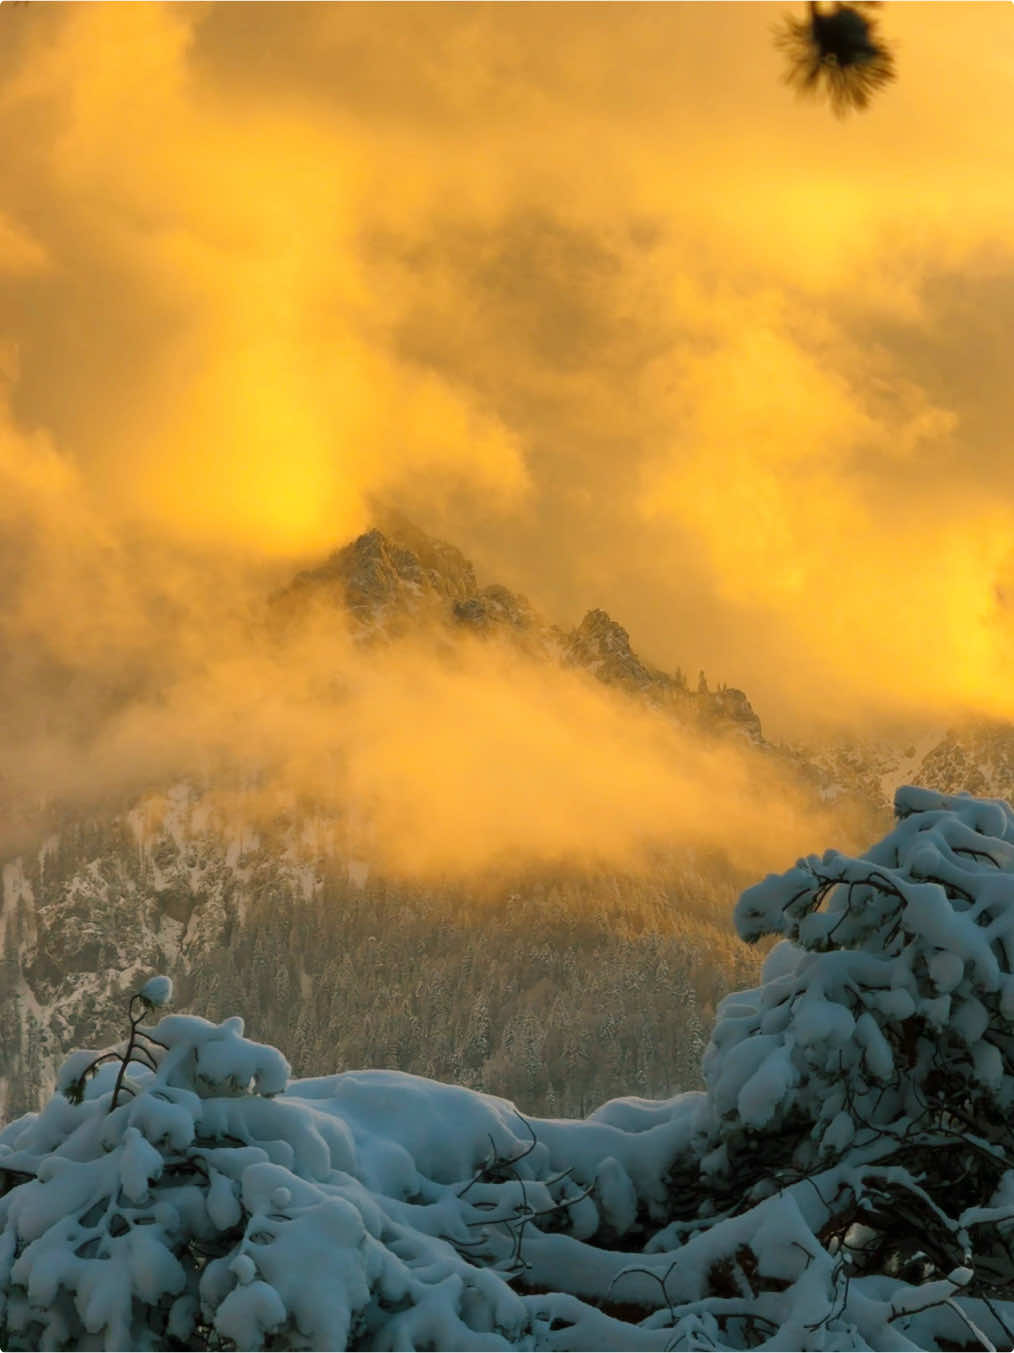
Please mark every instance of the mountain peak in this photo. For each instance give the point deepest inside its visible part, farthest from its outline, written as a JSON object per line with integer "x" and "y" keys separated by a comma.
{"x": 382, "y": 581}
{"x": 388, "y": 580}
{"x": 600, "y": 639}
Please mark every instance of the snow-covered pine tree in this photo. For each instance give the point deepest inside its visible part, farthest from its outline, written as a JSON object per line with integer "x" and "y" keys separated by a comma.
{"x": 168, "y": 1196}
{"x": 858, "y": 1155}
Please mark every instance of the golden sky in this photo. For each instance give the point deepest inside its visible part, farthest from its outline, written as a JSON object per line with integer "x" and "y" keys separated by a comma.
{"x": 582, "y": 288}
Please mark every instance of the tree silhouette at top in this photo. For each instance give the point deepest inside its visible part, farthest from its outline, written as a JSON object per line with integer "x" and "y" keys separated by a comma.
{"x": 837, "y": 53}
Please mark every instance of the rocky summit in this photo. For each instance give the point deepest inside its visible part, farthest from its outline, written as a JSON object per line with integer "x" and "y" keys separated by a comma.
{"x": 391, "y": 582}
{"x": 382, "y": 582}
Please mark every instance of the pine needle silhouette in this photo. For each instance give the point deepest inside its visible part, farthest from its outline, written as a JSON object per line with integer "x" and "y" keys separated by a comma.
{"x": 837, "y": 54}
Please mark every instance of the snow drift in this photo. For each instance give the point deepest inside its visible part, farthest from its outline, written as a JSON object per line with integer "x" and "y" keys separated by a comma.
{"x": 845, "y": 1181}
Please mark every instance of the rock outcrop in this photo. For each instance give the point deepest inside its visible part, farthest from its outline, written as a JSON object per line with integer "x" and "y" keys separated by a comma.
{"x": 388, "y": 583}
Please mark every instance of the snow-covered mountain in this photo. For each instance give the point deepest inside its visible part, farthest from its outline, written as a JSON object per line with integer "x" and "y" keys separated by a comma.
{"x": 284, "y": 919}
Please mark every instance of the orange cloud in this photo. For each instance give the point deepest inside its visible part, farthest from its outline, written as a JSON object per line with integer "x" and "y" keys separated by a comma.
{"x": 580, "y": 286}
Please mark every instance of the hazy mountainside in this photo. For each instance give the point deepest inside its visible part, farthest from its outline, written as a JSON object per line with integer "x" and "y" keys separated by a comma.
{"x": 530, "y": 990}
{"x": 865, "y": 767}
{"x": 973, "y": 757}
{"x": 525, "y": 992}
{"x": 170, "y": 883}
{"x": 979, "y": 758}
{"x": 390, "y": 583}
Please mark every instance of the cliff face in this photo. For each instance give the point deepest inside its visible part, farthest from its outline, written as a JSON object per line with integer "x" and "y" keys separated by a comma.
{"x": 378, "y": 580}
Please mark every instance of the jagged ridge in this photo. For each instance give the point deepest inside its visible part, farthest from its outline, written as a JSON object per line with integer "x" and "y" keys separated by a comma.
{"x": 389, "y": 582}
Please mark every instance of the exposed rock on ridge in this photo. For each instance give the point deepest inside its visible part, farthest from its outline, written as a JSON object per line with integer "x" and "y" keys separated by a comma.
{"x": 602, "y": 647}
{"x": 389, "y": 583}
{"x": 382, "y": 583}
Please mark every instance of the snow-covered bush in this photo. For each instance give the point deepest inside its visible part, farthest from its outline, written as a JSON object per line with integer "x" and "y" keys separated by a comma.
{"x": 846, "y": 1180}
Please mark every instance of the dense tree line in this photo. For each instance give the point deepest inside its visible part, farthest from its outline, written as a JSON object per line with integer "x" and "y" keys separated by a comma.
{"x": 526, "y": 1000}
{"x": 557, "y": 988}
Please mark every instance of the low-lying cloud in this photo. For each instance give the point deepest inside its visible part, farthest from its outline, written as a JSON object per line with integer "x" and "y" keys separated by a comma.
{"x": 579, "y": 287}
{"x": 130, "y": 664}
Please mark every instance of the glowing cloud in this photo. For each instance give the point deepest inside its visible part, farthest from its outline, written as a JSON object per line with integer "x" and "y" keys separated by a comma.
{"x": 579, "y": 286}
